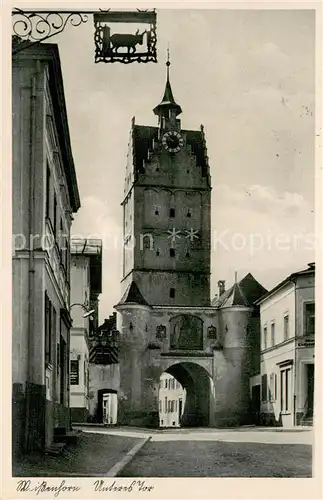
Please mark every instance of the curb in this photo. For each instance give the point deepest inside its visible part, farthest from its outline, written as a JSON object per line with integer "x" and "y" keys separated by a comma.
{"x": 119, "y": 466}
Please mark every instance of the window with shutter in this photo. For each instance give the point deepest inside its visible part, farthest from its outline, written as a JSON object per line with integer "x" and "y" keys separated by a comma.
{"x": 264, "y": 389}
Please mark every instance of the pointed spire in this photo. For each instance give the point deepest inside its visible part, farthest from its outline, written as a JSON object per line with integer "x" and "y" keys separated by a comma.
{"x": 168, "y": 101}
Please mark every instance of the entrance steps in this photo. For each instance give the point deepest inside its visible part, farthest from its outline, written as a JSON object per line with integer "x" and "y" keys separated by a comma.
{"x": 308, "y": 422}
{"x": 63, "y": 436}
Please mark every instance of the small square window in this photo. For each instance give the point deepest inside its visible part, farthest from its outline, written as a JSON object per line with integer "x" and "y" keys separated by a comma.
{"x": 172, "y": 252}
{"x": 172, "y": 212}
{"x": 172, "y": 293}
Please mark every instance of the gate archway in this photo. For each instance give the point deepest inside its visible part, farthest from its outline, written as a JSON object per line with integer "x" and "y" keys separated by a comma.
{"x": 196, "y": 382}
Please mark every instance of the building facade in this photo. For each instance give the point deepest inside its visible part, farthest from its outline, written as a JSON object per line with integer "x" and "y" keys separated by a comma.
{"x": 86, "y": 285}
{"x": 287, "y": 350}
{"x": 44, "y": 197}
{"x": 166, "y": 320}
{"x": 171, "y": 401}
{"x": 104, "y": 373}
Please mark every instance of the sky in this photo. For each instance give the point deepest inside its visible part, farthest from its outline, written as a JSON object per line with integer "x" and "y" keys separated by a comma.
{"x": 248, "y": 77}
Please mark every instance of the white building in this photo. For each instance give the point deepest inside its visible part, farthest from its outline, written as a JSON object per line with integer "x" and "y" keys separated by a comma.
{"x": 287, "y": 315}
{"x": 44, "y": 197}
{"x": 86, "y": 280}
{"x": 171, "y": 401}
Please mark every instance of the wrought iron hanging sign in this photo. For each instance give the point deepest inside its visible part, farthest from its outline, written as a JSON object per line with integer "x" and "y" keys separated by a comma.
{"x": 123, "y": 45}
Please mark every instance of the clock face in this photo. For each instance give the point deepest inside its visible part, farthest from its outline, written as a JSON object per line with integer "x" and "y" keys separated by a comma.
{"x": 172, "y": 141}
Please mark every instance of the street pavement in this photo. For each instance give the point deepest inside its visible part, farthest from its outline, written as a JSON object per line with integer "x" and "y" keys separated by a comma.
{"x": 243, "y": 452}
{"x": 92, "y": 455}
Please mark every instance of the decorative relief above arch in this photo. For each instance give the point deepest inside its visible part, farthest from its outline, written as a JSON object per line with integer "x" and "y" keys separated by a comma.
{"x": 186, "y": 332}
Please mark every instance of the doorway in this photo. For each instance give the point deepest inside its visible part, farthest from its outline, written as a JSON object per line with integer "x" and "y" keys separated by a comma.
{"x": 310, "y": 389}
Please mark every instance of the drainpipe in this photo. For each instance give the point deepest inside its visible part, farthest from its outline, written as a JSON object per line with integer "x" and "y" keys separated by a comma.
{"x": 31, "y": 263}
{"x": 295, "y": 379}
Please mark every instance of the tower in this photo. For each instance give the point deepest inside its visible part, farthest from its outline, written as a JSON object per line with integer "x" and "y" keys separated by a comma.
{"x": 165, "y": 318}
{"x": 166, "y": 210}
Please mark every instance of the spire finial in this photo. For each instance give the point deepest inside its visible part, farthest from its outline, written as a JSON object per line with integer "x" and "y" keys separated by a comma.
{"x": 168, "y": 61}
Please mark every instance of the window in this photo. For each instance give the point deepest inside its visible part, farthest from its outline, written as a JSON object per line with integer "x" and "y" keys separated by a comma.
{"x": 310, "y": 319}
{"x": 165, "y": 405}
{"x": 172, "y": 212}
{"x": 286, "y": 327}
{"x": 160, "y": 405}
{"x": 157, "y": 252}
{"x": 189, "y": 213}
{"x": 272, "y": 387}
{"x": 285, "y": 390}
{"x": 187, "y": 254}
{"x": 47, "y": 190}
{"x": 48, "y": 330}
{"x": 272, "y": 329}
{"x": 61, "y": 242}
{"x": 166, "y": 383}
{"x": 156, "y": 211}
{"x": 172, "y": 252}
{"x": 55, "y": 216}
{"x": 264, "y": 388}
{"x": 74, "y": 372}
{"x": 172, "y": 293}
{"x": 265, "y": 338}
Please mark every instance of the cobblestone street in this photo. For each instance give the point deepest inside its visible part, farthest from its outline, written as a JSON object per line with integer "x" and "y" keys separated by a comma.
{"x": 243, "y": 452}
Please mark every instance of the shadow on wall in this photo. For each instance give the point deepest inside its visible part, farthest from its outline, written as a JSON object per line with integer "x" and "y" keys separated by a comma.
{"x": 268, "y": 418}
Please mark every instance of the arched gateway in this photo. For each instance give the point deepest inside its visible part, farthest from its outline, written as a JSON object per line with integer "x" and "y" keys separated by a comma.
{"x": 199, "y": 400}
{"x": 165, "y": 318}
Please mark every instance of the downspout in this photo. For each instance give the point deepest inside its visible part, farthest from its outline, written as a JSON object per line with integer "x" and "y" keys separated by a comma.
{"x": 295, "y": 379}
{"x": 31, "y": 263}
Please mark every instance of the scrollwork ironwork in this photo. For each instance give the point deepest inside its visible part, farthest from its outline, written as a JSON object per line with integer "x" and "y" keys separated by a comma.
{"x": 35, "y": 27}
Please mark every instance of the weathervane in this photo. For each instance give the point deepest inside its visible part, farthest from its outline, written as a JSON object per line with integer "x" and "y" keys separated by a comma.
{"x": 32, "y": 27}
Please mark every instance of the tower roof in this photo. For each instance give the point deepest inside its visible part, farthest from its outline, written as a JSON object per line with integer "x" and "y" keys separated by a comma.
{"x": 168, "y": 101}
{"x": 133, "y": 296}
{"x": 242, "y": 293}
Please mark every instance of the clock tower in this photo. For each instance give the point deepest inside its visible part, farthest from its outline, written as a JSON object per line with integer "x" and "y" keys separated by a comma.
{"x": 166, "y": 211}
{"x": 165, "y": 318}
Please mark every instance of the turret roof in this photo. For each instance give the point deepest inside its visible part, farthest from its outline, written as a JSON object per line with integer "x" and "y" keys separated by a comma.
{"x": 133, "y": 295}
{"x": 243, "y": 293}
{"x": 168, "y": 101}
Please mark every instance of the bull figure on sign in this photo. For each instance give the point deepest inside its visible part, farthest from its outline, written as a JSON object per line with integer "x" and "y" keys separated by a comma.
{"x": 126, "y": 40}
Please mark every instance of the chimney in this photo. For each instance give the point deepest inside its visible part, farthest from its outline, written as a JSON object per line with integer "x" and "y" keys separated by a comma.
{"x": 221, "y": 285}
